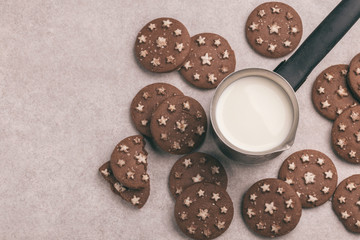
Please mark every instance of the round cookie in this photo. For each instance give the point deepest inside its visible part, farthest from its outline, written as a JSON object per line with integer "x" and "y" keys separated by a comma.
{"x": 353, "y": 77}
{"x": 271, "y": 208}
{"x": 146, "y": 101}
{"x": 210, "y": 60}
{"x": 204, "y": 211}
{"x": 179, "y": 125}
{"x": 312, "y": 175}
{"x": 345, "y": 135}
{"x": 346, "y": 203}
{"x": 330, "y": 95}
{"x": 128, "y": 162}
{"x": 137, "y": 198}
{"x": 193, "y": 168}
{"x": 274, "y": 29}
{"x": 162, "y": 45}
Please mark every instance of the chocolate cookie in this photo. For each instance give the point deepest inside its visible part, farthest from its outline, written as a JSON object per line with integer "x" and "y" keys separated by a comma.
{"x": 346, "y": 203}
{"x": 271, "y": 208}
{"x": 312, "y": 175}
{"x": 194, "y": 168}
{"x": 146, "y": 101}
{"x": 179, "y": 125}
{"x": 274, "y": 29}
{"x": 345, "y": 135}
{"x": 353, "y": 76}
{"x": 162, "y": 45}
{"x": 330, "y": 94}
{"x": 137, "y": 198}
{"x": 129, "y": 162}
{"x": 210, "y": 60}
{"x": 204, "y": 211}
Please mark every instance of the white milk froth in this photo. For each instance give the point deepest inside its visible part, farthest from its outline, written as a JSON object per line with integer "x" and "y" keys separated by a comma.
{"x": 254, "y": 114}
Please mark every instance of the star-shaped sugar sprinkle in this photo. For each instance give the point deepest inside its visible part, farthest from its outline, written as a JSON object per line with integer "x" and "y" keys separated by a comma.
{"x": 187, "y": 201}
{"x": 287, "y": 218}
{"x": 137, "y": 140}
{"x": 206, "y": 59}
{"x": 179, "y": 46}
{"x": 215, "y": 196}
{"x": 217, "y": 42}
{"x": 289, "y": 203}
{"x": 181, "y": 125}
{"x": 341, "y": 142}
{"x": 253, "y": 197}
{"x": 344, "y": 72}
{"x": 144, "y": 122}
{"x": 325, "y": 104}
{"x": 215, "y": 170}
{"x": 211, "y": 78}
{"x": 183, "y": 216}
{"x": 274, "y": 28}
{"x": 197, "y": 178}
{"x": 187, "y": 162}
{"x": 200, "y": 130}
{"x": 320, "y": 161}
{"x": 166, "y": 23}
{"x": 342, "y": 127}
{"x": 152, "y": 26}
{"x": 186, "y": 105}
{"x": 196, "y": 76}
{"x": 342, "y": 199}
{"x": 299, "y": 194}
{"x": 305, "y": 158}
{"x": 312, "y": 199}
{"x": 261, "y": 13}
{"x": 176, "y": 145}
{"x": 294, "y": 30}
{"x": 162, "y": 120}
{"x": 287, "y": 43}
{"x": 207, "y": 233}
{"x": 254, "y": 26}
{"x": 250, "y": 212}
{"x": 203, "y": 214}
{"x": 259, "y": 40}
{"x": 265, "y": 187}
{"x": 120, "y": 162}
{"x": 146, "y": 95}
{"x": 145, "y": 177}
{"x": 201, "y": 193}
{"x": 135, "y": 200}
{"x": 120, "y": 188}
{"x": 275, "y": 9}
{"x": 191, "y": 143}
{"x": 357, "y": 135}
{"x": 155, "y": 62}
{"x": 178, "y": 191}
{"x": 123, "y": 148}
{"x": 161, "y": 42}
{"x": 325, "y": 189}
{"x": 345, "y": 215}
{"x": 352, "y": 154}
{"x": 170, "y": 59}
{"x": 309, "y": 177}
{"x": 224, "y": 69}
{"x": 351, "y": 186}
{"x": 177, "y": 175}
{"x": 172, "y": 108}
{"x": 144, "y": 53}
{"x": 163, "y": 136}
{"x": 280, "y": 190}
{"x": 191, "y": 229}
{"x": 105, "y": 172}
{"x": 357, "y": 71}
{"x": 342, "y": 92}
{"x": 357, "y": 223}
{"x": 142, "y": 39}
{"x": 289, "y": 16}
{"x": 270, "y": 208}
{"x": 358, "y": 203}
{"x": 225, "y": 54}
{"x": 354, "y": 116}
{"x": 289, "y": 181}
{"x": 177, "y": 32}
{"x": 321, "y": 90}
{"x": 201, "y": 40}
{"x": 188, "y": 65}
{"x": 223, "y": 209}
{"x": 339, "y": 111}
{"x": 141, "y": 158}
{"x": 220, "y": 225}
{"x": 130, "y": 175}
{"x": 161, "y": 91}
{"x": 328, "y": 76}
{"x": 271, "y": 47}
{"x": 291, "y": 166}
{"x": 140, "y": 107}
{"x": 260, "y": 225}
{"x": 328, "y": 174}
{"x": 275, "y": 228}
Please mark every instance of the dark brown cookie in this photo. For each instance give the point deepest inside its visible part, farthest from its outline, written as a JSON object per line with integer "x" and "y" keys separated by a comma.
{"x": 271, "y": 208}
{"x": 274, "y": 29}
{"x": 210, "y": 60}
{"x": 137, "y": 198}
{"x": 353, "y": 77}
{"x": 346, "y": 203}
{"x": 193, "y": 168}
{"x": 162, "y": 45}
{"x": 311, "y": 174}
{"x": 146, "y": 101}
{"x": 345, "y": 135}
{"x": 204, "y": 211}
{"x": 129, "y": 162}
{"x": 179, "y": 125}
{"x": 330, "y": 94}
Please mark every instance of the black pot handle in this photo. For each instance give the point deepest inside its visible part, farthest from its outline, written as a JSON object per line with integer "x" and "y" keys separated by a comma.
{"x": 296, "y": 69}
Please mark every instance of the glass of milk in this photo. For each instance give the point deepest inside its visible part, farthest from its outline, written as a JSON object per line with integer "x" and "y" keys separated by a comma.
{"x": 254, "y": 115}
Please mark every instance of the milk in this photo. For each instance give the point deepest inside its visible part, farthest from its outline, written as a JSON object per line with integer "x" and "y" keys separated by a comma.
{"x": 254, "y": 114}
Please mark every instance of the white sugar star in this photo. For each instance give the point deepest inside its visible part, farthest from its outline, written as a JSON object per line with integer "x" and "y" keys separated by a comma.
{"x": 287, "y": 43}
{"x": 105, "y": 172}
{"x": 351, "y": 186}
{"x": 274, "y": 28}
{"x": 211, "y": 78}
{"x": 181, "y": 125}
{"x": 321, "y": 90}
{"x": 155, "y": 62}
{"x": 261, "y": 13}
{"x": 201, "y": 193}
{"x": 342, "y": 127}
{"x": 152, "y": 26}
{"x": 320, "y": 161}
{"x": 187, "y": 201}
{"x": 172, "y": 108}
{"x": 123, "y": 148}
{"x": 177, "y": 32}
{"x": 145, "y": 178}
{"x": 166, "y": 23}
{"x": 328, "y": 76}
{"x": 144, "y": 53}
{"x": 309, "y": 177}
{"x": 289, "y": 203}
{"x": 328, "y": 174}
{"x": 196, "y": 76}
{"x": 141, "y": 158}
{"x": 206, "y": 59}
{"x": 170, "y": 59}
{"x": 280, "y": 190}
{"x": 203, "y": 214}
{"x": 162, "y": 120}
{"x": 223, "y": 209}
{"x": 289, "y": 181}
{"x": 341, "y": 142}
{"x": 179, "y": 46}
{"x": 352, "y": 154}
{"x": 225, "y": 54}
{"x": 161, "y": 42}
{"x": 197, "y": 178}
{"x": 305, "y": 158}
{"x": 135, "y": 200}
{"x": 294, "y": 30}
{"x": 186, "y": 105}
{"x": 291, "y": 166}
{"x": 275, "y": 10}
{"x": 142, "y": 39}
{"x": 342, "y": 92}
{"x": 312, "y": 199}
{"x": 200, "y": 130}
{"x": 325, "y": 104}
{"x": 201, "y": 40}
{"x": 270, "y": 208}
{"x": 215, "y": 170}
{"x": 325, "y": 190}
{"x": 161, "y": 91}
{"x": 120, "y": 162}
{"x": 271, "y": 47}
{"x": 259, "y": 40}
{"x": 217, "y": 42}
{"x": 188, "y": 65}
{"x": 345, "y": 215}
{"x": 342, "y": 199}
{"x": 220, "y": 225}
{"x": 265, "y": 187}
{"x": 253, "y": 197}
{"x": 215, "y": 196}
{"x": 250, "y": 212}
{"x": 357, "y": 71}
{"x": 354, "y": 116}
{"x": 254, "y": 26}
{"x": 187, "y": 162}
{"x": 275, "y": 228}
{"x": 357, "y": 135}
{"x": 140, "y": 107}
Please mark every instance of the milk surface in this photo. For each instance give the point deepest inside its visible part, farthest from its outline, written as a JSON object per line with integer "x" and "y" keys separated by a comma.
{"x": 254, "y": 114}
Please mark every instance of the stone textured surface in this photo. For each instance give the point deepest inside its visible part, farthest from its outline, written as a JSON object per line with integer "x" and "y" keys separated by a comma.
{"x": 67, "y": 77}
